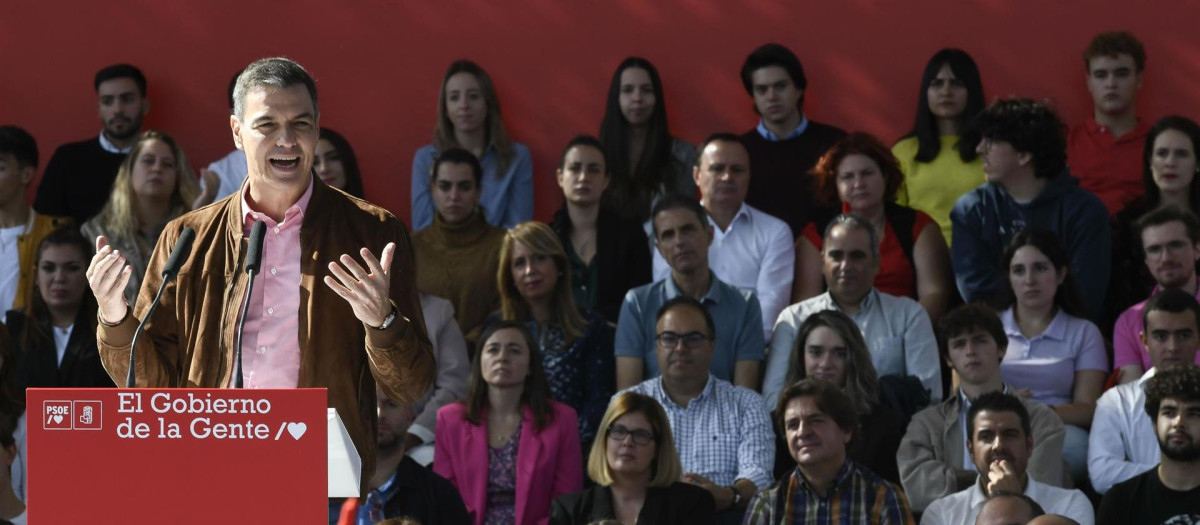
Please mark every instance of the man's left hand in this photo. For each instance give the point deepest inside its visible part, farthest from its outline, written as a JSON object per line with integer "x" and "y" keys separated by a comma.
{"x": 723, "y": 495}
{"x": 365, "y": 289}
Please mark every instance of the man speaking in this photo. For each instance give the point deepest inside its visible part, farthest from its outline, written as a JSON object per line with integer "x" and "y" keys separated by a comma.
{"x": 361, "y": 327}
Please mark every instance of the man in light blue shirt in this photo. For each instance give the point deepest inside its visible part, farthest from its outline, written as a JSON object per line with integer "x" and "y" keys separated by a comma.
{"x": 683, "y": 235}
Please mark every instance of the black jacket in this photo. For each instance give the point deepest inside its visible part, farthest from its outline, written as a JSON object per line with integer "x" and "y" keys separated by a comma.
{"x": 38, "y": 367}
{"x": 622, "y": 258}
{"x": 678, "y": 503}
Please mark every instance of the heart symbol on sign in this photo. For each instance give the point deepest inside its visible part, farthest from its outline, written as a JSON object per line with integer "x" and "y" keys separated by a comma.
{"x": 58, "y": 418}
{"x": 297, "y": 430}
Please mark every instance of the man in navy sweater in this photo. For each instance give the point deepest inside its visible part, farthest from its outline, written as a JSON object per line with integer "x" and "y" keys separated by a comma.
{"x": 785, "y": 145}
{"x": 1028, "y": 186}
{"x": 79, "y": 176}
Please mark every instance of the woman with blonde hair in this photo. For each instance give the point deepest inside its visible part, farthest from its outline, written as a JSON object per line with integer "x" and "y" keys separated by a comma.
{"x": 637, "y": 471}
{"x": 154, "y": 185}
{"x": 534, "y": 279}
{"x": 468, "y": 117}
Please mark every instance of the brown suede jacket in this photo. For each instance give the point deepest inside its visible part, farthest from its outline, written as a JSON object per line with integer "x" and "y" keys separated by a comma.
{"x": 190, "y": 339}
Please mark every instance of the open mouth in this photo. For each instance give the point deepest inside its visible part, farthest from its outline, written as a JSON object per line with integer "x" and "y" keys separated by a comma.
{"x": 285, "y": 163}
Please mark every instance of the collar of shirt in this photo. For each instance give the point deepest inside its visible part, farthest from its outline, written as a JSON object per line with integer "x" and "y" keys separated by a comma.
{"x": 842, "y": 476}
{"x": 1056, "y": 330}
{"x": 1146, "y": 377}
{"x": 667, "y": 402}
{"x": 110, "y": 147}
{"x": 713, "y": 295}
{"x": 771, "y": 136}
{"x": 249, "y": 214}
{"x": 867, "y": 304}
{"x": 742, "y": 213}
{"x": 1137, "y": 134}
{"x": 1033, "y": 490}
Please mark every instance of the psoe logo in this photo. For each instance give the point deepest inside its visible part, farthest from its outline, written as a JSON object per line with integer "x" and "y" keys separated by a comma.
{"x": 89, "y": 415}
{"x": 56, "y": 415}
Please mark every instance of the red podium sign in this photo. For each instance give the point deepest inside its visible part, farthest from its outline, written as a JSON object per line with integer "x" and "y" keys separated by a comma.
{"x": 176, "y": 456}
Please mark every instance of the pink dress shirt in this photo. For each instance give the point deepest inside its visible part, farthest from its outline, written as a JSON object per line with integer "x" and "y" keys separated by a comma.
{"x": 271, "y": 339}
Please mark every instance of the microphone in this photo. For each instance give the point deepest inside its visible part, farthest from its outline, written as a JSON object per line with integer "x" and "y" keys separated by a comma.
{"x": 183, "y": 247}
{"x": 253, "y": 263}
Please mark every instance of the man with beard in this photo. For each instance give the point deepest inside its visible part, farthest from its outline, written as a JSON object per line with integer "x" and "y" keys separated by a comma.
{"x": 1000, "y": 444}
{"x": 1171, "y": 243}
{"x": 79, "y": 177}
{"x": 1171, "y": 492}
{"x": 401, "y": 486}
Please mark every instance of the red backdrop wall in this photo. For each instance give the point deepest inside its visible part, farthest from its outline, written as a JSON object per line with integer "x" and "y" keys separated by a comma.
{"x": 379, "y": 63}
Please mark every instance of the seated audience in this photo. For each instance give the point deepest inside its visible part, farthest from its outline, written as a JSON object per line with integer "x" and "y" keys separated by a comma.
{"x": 897, "y": 330}
{"x": 1055, "y": 356}
{"x": 1000, "y": 444}
{"x": 229, "y": 171}
{"x": 938, "y": 156}
{"x": 401, "y": 487}
{"x": 54, "y": 340}
{"x": 1028, "y": 186}
{"x": 21, "y": 228}
{"x": 722, "y": 432}
{"x": 860, "y": 176}
{"x": 456, "y": 257}
{"x": 12, "y": 508}
{"x": 576, "y": 346}
{"x": 1103, "y": 150}
{"x": 154, "y": 185}
{"x": 1171, "y": 492}
{"x": 645, "y": 160}
{"x": 683, "y": 235}
{"x": 750, "y": 249}
{"x": 827, "y": 486}
{"x": 1171, "y": 241}
{"x": 830, "y": 347}
{"x": 79, "y": 176}
{"x": 450, "y": 383}
{"x": 609, "y": 254}
{"x": 785, "y": 144}
{"x": 468, "y": 117}
{"x": 508, "y": 448}
{"x": 636, "y": 471}
{"x": 1004, "y": 508}
{"x": 1122, "y": 442}
{"x": 336, "y": 164}
{"x": 934, "y": 457}
{"x": 1169, "y": 175}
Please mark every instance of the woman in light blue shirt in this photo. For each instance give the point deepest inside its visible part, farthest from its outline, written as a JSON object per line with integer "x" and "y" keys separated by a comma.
{"x": 468, "y": 117}
{"x": 1055, "y": 356}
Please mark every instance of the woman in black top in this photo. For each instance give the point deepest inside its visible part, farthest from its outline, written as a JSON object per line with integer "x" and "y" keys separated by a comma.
{"x": 636, "y": 470}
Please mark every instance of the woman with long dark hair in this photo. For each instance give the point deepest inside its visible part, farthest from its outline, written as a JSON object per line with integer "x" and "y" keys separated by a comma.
{"x": 645, "y": 160}
{"x": 938, "y": 155}
{"x": 1055, "y": 356}
{"x": 336, "y": 164}
{"x": 468, "y": 117}
{"x": 508, "y": 448}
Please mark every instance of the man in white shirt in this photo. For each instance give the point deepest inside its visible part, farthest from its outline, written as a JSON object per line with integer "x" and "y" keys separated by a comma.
{"x": 1001, "y": 443}
{"x": 897, "y": 329}
{"x": 750, "y": 249}
{"x": 1122, "y": 443}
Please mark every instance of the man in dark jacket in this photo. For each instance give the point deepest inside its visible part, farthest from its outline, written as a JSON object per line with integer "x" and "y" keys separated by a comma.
{"x": 1028, "y": 185}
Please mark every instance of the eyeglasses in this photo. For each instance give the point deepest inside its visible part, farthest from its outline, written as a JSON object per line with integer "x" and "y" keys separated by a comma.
{"x": 691, "y": 340}
{"x": 641, "y": 436}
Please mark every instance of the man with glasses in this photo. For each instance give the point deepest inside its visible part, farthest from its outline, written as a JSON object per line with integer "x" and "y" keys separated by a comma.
{"x": 722, "y": 432}
{"x": 1171, "y": 243}
{"x": 683, "y": 235}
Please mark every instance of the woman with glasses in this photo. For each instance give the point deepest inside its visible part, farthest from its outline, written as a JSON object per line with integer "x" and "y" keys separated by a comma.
{"x": 636, "y": 471}
{"x": 508, "y": 448}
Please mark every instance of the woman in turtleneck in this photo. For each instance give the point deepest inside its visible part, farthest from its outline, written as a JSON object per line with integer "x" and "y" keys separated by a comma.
{"x": 457, "y": 256}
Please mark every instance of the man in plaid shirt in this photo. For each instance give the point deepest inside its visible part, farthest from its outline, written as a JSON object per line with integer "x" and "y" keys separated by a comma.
{"x": 818, "y": 421}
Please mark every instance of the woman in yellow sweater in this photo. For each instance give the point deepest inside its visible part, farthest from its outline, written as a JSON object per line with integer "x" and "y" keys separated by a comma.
{"x": 938, "y": 156}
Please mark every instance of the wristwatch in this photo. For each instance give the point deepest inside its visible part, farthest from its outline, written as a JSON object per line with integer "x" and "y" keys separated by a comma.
{"x": 387, "y": 321}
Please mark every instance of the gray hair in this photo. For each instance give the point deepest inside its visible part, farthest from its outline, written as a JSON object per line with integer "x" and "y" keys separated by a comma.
{"x": 854, "y": 221}
{"x": 277, "y": 72}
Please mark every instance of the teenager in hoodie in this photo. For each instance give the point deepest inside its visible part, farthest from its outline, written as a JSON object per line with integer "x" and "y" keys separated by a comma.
{"x": 1028, "y": 185}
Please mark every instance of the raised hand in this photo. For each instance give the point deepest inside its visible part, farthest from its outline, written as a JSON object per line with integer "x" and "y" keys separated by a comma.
{"x": 108, "y": 275}
{"x": 365, "y": 289}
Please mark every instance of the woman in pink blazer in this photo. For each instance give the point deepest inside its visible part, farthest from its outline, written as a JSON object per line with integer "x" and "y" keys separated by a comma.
{"x": 508, "y": 448}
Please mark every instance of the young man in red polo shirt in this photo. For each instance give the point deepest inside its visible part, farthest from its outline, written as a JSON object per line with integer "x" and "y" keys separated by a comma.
{"x": 1105, "y": 151}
